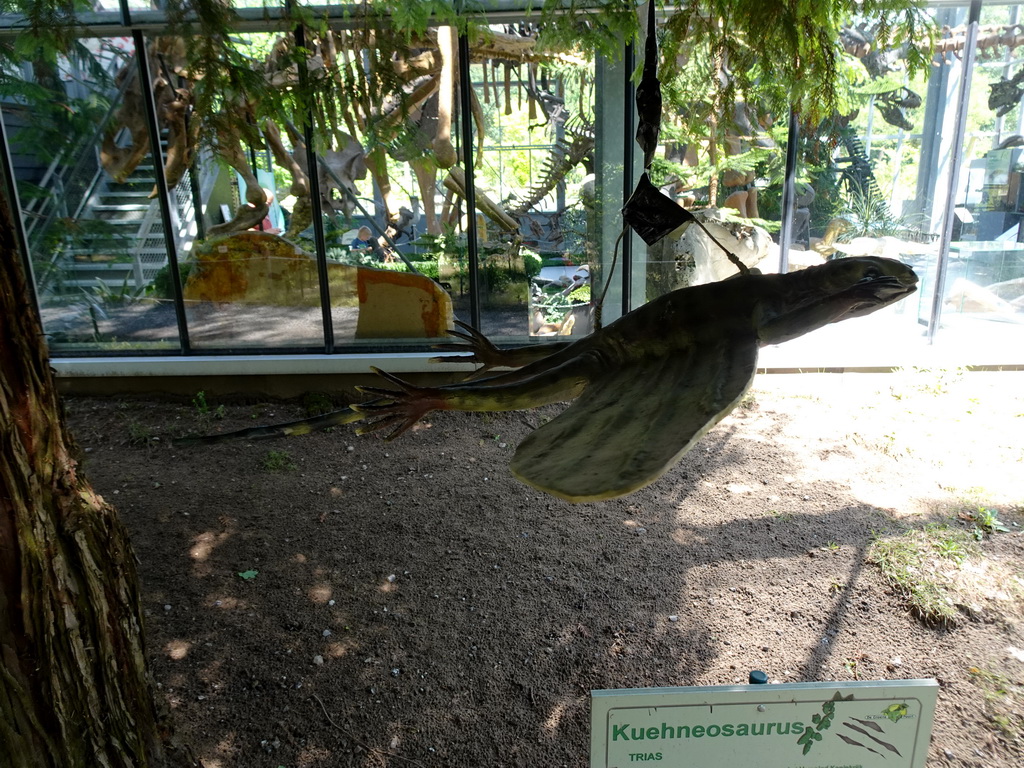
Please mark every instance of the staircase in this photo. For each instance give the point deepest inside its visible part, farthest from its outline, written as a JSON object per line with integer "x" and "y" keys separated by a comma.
{"x": 114, "y": 244}
{"x": 87, "y": 232}
{"x": 121, "y": 243}
{"x": 115, "y": 241}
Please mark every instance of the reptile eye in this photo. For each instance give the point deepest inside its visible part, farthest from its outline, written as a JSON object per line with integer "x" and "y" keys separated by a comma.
{"x": 871, "y": 274}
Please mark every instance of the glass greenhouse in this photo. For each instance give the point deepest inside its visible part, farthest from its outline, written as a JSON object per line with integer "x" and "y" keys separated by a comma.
{"x": 164, "y": 177}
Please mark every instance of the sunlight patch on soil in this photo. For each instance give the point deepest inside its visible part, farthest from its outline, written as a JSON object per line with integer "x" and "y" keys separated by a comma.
{"x": 226, "y": 602}
{"x": 554, "y": 718}
{"x": 337, "y": 649}
{"x": 221, "y": 757}
{"x": 320, "y": 594}
{"x": 177, "y": 649}
{"x": 988, "y": 586}
{"x": 310, "y": 756}
{"x": 205, "y": 544}
{"x": 945, "y": 429}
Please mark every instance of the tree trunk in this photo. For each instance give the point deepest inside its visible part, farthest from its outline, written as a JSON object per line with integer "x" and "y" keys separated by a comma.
{"x": 73, "y": 684}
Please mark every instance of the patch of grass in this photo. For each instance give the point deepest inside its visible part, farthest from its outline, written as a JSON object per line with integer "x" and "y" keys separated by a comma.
{"x": 749, "y": 401}
{"x": 926, "y": 381}
{"x": 984, "y": 520}
{"x": 987, "y": 521}
{"x": 278, "y": 461}
{"x": 199, "y": 401}
{"x": 139, "y": 434}
{"x": 891, "y": 444}
{"x": 921, "y": 565}
{"x": 1003, "y": 701}
{"x": 852, "y": 665}
{"x": 203, "y": 407}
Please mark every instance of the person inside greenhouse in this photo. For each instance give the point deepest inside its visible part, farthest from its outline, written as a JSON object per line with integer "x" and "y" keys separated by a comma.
{"x": 363, "y": 239}
{"x": 362, "y": 242}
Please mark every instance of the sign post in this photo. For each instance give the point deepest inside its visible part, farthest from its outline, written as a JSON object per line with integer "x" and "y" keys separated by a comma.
{"x": 863, "y": 724}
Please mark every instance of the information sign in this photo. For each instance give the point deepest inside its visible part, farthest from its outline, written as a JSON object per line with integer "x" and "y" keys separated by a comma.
{"x": 863, "y": 724}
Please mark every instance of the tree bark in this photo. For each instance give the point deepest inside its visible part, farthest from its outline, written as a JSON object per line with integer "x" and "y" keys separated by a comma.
{"x": 74, "y": 690}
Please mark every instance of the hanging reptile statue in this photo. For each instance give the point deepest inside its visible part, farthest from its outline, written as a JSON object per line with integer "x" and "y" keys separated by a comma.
{"x": 646, "y": 387}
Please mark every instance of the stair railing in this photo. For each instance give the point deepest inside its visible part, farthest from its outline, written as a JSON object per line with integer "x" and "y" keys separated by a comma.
{"x": 60, "y": 174}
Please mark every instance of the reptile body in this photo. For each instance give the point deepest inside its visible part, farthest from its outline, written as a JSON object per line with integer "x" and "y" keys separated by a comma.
{"x": 646, "y": 387}
{"x": 652, "y": 383}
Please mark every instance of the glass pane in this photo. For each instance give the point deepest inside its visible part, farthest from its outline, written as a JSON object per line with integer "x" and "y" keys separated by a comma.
{"x": 874, "y": 182}
{"x": 251, "y": 277}
{"x": 534, "y": 168}
{"x": 85, "y": 178}
{"x": 726, "y": 165}
{"x": 379, "y": 138}
{"x": 983, "y": 298}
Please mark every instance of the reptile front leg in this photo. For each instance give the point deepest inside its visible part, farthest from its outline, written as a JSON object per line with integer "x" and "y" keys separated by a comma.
{"x": 513, "y": 391}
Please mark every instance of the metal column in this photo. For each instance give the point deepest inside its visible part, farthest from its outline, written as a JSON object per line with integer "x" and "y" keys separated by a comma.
{"x": 960, "y": 129}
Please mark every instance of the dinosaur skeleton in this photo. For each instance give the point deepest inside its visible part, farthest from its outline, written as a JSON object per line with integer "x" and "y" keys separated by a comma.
{"x": 422, "y": 79}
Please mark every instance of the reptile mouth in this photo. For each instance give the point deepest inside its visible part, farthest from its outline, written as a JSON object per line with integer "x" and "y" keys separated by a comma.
{"x": 887, "y": 289}
{"x": 896, "y": 286}
{"x": 891, "y": 286}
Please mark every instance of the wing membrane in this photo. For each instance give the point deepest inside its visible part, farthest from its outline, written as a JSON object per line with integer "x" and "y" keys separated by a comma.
{"x": 627, "y": 429}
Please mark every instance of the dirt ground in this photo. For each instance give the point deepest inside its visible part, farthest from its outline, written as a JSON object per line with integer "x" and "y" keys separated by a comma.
{"x": 334, "y": 600}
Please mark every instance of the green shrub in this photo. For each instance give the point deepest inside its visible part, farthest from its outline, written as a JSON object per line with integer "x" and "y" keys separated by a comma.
{"x": 162, "y": 288}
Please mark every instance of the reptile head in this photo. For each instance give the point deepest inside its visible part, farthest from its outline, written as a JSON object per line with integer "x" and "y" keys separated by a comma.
{"x": 871, "y": 281}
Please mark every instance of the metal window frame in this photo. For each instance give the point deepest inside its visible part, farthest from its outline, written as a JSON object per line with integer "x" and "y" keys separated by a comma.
{"x": 142, "y": 24}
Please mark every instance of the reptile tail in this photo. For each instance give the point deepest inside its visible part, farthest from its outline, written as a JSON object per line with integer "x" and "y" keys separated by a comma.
{"x": 302, "y": 427}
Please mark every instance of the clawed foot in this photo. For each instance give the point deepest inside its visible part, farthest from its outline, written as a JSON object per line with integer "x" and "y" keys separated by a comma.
{"x": 396, "y": 408}
{"x": 479, "y": 346}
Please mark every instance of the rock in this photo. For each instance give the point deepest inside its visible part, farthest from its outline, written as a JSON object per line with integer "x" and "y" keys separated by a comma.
{"x": 1008, "y": 290}
{"x": 263, "y": 269}
{"x": 318, "y": 660}
{"x": 966, "y": 296}
{"x": 709, "y": 262}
